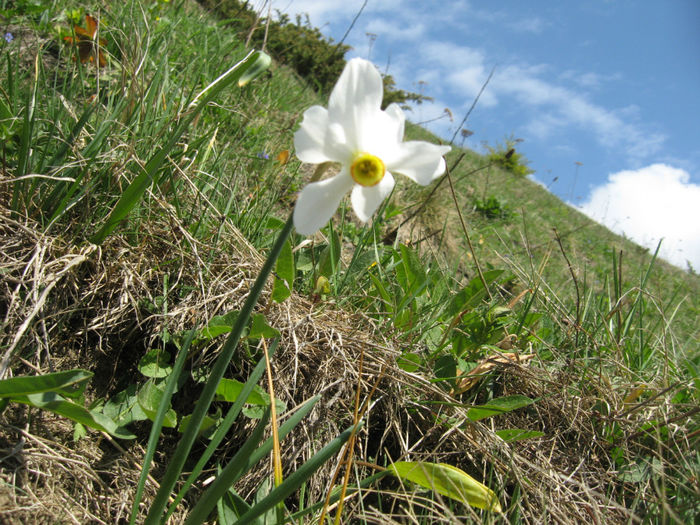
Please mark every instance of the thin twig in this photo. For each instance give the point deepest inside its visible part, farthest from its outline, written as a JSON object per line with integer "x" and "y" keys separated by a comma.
{"x": 423, "y": 204}
{"x": 352, "y": 24}
{"x": 476, "y": 99}
{"x": 466, "y": 233}
{"x": 578, "y": 293}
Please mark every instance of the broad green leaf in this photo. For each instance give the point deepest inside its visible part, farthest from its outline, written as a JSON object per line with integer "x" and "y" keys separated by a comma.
{"x": 149, "y": 397}
{"x": 409, "y": 362}
{"x": 448, "y": 481}
{"x": 225, "y": 478}
{"x": 79, "y": 432}
{"x": 227, "y": 508}
{"x": 274, "y": 223}
{"x": 472, "y": 294}
{"x": 207, "y": 426}
{"x": 219, "y": 324}
{"x": 381, "y": 290}
{"x": 161, "y": 414}
{"x": 518, "y": 434}
{"x": 70, "y": 383}
{"x": 259, "y": 328}
{"x": 229, "y": 389}
{"x": 297, "y": 478}
{"x": 497, "y": 406}
{"x": 124, "y": 407}
{"x": 445, "y": 368}
{"x": 284, "y": 270}
{"x": 156, "y": 363}
{"x": 63, "y": 407}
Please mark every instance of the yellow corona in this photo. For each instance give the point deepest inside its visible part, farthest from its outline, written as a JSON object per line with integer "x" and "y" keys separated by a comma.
{"x": 367, "y": 170}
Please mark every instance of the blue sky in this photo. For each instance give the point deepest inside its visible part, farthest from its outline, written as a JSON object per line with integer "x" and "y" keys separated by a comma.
{"x": 613, "y": 85}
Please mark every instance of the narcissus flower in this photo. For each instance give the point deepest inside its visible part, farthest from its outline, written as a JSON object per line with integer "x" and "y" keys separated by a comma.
{"x": 367, "y": 142}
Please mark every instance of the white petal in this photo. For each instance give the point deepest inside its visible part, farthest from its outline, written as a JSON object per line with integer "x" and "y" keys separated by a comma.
{"x": 365, "y": 200}
{"x": 318, "y": 201}
{"x": 356, "y": 99}
{"x": 420, "y": 161}
{"x": 309, "y": 140}
{"x": 397, "y": 115}
{"x": 378, "y": 136}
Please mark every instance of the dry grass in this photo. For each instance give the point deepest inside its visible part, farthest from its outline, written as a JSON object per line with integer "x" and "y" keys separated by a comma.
{"x": 67, "y": 306}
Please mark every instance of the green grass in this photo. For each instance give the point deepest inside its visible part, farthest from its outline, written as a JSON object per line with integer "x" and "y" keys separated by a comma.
{"x": 605, "y": 400}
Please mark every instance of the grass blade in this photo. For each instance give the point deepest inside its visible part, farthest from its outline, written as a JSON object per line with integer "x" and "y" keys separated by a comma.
{"x": 150, "y": 173}
{"x": 237, "y": 466}
{"x": 217, "y": 372}
{"x": 297, "y": 478}
{"x": 223, "y": 428}
{"x": 158, "y": 422}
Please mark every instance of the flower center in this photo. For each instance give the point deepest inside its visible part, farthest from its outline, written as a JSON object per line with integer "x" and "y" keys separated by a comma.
{"x": 367, "y": 170}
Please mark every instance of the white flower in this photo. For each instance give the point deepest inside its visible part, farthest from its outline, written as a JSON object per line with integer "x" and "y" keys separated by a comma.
{"x": 366, "y": 141}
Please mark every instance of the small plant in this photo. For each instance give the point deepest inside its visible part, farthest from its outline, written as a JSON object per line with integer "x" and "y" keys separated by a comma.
{"x": 492, "y": 208}
{"x": 507, "y": 157}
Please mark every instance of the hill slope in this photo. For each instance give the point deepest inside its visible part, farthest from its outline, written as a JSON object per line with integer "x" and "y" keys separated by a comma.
{"x": 563, "y": 380}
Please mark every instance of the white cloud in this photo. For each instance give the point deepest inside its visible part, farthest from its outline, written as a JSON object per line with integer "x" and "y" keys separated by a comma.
{"x": 559, "y": 107}
{"x": 649, "y": 204}
{"x": 395, "y": 29}
{"x": 534, "y": 25}
{"x": 331, "y": 11}
{"x": 453, "y": 71}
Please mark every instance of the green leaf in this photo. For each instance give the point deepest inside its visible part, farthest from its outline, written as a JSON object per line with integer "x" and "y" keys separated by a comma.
{"x": 284, "y": 274}
{"x": 381, "y": 290}
{"x": 158, "y": 421}
{"x": 219, "y": 324}
{"x": 409, "y": 362}
{"x": 448, "y": 481}
{"x": 297, "y": 478}
{"x": 472, "y": 294}
{"x": 149, "y": 397}
{"x": 498, "y": 406}
{"x": 229, "y": 389}
{"x": 79, "y": 432}
{"x": 206, "y": 428}
{"x": 124, "y": 407}
{"x": 70, "y": 383}
{"x": 243, "y": 71}
{"x": 410, "y": 272}
{"x": 226, "y": 477}
{"x": 330, "y": 256}
{"x": 63, "y": 407}
{"x": 273, "y": 223}
{"x": 156, "y": 363}
{"x": 445, "y": 368}
{"x": 518, "y": 434}
{"x": 259, "y": 328}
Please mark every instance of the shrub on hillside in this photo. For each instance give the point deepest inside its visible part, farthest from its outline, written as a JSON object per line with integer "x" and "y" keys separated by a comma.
{"x": 299, "y": 45}
{"x": 506, "y": 156}
{"x": 492, "y": 208}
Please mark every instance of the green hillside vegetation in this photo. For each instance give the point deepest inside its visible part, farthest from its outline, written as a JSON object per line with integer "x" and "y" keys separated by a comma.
{"x": 455, "y": 360}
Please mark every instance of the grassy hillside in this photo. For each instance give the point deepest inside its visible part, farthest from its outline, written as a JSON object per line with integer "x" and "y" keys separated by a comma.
{"x": 555, "y": 373}
{"x": 524, "y": 238}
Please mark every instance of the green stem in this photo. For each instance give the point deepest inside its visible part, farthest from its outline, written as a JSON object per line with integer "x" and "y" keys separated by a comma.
{"x": 200, "y": 411}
